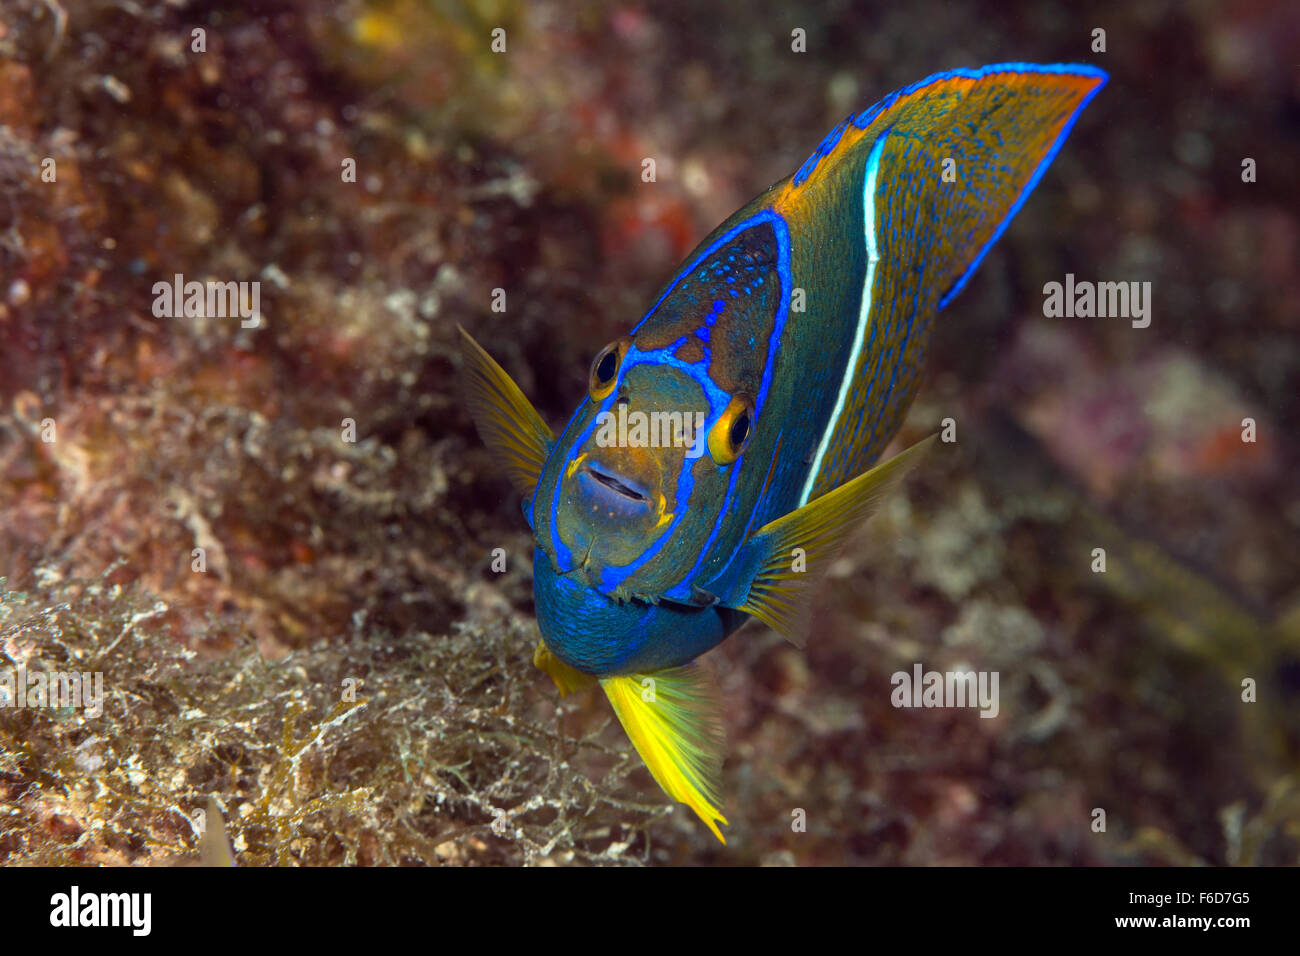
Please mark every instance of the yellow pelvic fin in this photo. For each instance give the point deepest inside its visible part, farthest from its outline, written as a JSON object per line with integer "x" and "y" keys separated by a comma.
{"x": 674, "y": 719}
{"x": 783, "y": 588}
{"x": 514, "y": 433}
{"x": 568, "y": 680}
{"x": 214, "y": 847}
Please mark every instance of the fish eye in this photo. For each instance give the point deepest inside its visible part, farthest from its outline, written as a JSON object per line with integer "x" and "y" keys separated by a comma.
{"x": 739, "y": 429}
{"x": 604, "y": 369}
{"x": 730, "y": 434}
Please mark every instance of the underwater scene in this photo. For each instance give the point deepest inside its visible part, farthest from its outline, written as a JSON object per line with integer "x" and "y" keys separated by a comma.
{"x": 549, "y": 432}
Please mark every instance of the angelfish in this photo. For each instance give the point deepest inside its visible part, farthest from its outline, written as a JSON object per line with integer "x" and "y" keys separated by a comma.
{"x": 796, "y": 334}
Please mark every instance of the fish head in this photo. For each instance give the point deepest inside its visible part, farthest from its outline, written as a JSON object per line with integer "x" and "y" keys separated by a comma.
{"x": 642, "y": 472}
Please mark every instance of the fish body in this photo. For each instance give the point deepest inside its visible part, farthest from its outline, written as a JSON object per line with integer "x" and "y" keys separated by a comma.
{"x": 721, "y": 457}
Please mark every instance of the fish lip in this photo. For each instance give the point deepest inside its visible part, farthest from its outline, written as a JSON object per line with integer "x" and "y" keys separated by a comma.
{"x": 612, "y": 480}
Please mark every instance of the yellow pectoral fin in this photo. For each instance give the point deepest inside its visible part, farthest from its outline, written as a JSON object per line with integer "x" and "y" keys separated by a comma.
{"x": 567, "y": 679}
{"x": 507, "y": 422}
{"x": 797, "y": 550}
{"x": 674, "y": 719}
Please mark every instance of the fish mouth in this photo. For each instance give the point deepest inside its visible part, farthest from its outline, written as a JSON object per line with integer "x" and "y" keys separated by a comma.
{"x": 616, "y": 483}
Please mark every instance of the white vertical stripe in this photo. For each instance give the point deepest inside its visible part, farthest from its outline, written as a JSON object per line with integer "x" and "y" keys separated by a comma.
{"x": 864, "y": 313}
